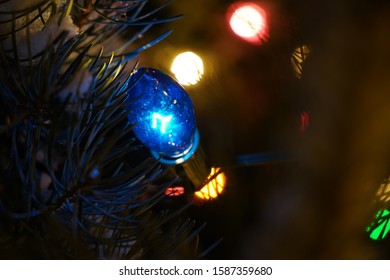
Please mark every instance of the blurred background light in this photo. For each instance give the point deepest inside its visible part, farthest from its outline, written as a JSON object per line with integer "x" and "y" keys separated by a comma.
{"x": 381, "y": 226}
{"x": 214, "y": 187}
{"x": 174, "y": 191}
{"x": 304, "y": 118}
{"x": 298, "y": 57}
{"x": 249, "y": 22}
{"x": 187, "y": 68}
{"x": 384, "y": 191}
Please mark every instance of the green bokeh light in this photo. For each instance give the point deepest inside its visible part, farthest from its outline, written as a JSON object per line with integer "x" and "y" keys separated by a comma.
{"x": 381, "y": 225}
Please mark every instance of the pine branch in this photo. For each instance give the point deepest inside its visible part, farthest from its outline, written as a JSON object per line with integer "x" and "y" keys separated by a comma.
{"x": 73, "y": 177}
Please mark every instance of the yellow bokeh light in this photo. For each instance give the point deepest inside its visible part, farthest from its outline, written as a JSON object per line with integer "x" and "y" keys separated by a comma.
{"x": 298, "y": 57}
{"x": 214, "y": 187}
{"x": 384, "y": 191}
{"x": 188, "y": 68}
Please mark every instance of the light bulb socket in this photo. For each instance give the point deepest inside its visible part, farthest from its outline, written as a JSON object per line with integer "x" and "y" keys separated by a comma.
{"x": 180, "y": 158}
{"x": 197, "y": 169}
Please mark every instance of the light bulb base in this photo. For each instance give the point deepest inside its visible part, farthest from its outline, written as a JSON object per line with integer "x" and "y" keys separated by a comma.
{"x": 178, "y": 159}
{"x": 197, "y": 169}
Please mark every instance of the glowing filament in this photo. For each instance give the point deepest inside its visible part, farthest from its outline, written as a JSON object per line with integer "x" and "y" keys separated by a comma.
{"x": 214, "y": 187}
{"x": 163, "y": 121}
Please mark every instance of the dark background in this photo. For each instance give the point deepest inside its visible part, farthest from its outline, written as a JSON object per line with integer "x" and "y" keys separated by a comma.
{"x": 317, "y": 203}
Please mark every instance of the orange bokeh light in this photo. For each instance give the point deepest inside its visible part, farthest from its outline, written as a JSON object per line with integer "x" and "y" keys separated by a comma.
{"x": 248, "y": 21}
{"x": 214, "y": 187}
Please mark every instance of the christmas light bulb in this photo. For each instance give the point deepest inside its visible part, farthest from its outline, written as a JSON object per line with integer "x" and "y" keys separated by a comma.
{"x": 381, "y": 227}
{"x": 188, "y": 68}
{"x": 384, "y": 191}
{"x": 214, "y": 187}
{"x": 249, "y": 22}
{"x": 174, "y": 191}
{"x": 297, "y": 59}
{"x": 163, "y": 116}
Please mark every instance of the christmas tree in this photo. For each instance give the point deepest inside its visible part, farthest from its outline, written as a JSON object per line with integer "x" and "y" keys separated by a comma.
{"x": 75, "y": 180}
{"x": 292, "y": 109}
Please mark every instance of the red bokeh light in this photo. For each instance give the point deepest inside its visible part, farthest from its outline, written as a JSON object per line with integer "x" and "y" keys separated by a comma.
{"x": 174, "y": 191}
{"x": 249, "y": 21}
{"x": 304, "y": 121}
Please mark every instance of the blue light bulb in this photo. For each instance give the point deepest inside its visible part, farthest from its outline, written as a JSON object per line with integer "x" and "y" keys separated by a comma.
{"x": 163, "y": 116}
